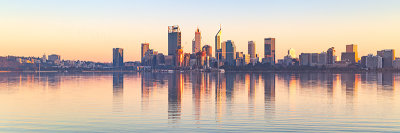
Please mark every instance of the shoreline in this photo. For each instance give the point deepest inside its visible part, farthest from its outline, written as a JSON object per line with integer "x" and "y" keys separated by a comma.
{"x": 226, "y": 71}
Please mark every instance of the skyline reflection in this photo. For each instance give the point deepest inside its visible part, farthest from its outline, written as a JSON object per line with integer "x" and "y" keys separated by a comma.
{"x": 198, "y": 100}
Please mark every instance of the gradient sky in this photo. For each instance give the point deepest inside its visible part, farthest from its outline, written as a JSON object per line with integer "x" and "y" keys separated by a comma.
{"x": 89, "y": 29}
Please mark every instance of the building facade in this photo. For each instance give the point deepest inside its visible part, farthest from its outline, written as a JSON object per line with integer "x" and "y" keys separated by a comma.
{"x": 352, "y": 48}
{"x": 196, "y": 43}
{"x": 174, "y": 39}
{"x": 252, "y": 49}
{"x": 269, "y": 50}
{"x": 118, "y": 57}
{"x": 331, "y": 56}
{"x": 230, "y": 52}
{"x": 208, "y": 50}
{"x": 373, "y": 62}
{"x": 388, "y": 55}
{"x": 218, "y": 43}
{"x": 349, "y": 57}
{"x": 145, "y": 47}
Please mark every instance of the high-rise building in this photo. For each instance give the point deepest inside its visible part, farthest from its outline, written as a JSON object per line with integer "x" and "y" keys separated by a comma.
{"x": 352, "y": 48}
{"x": 145, "y": 47}
{"x": 269, "y": 50}
{"x": 230, "y": 52}
{"x": 322, "y": 60}
{"x": 208, "y": 50}
{"x": 196, "y": 43}
{"x": 118, "y": 57}
{"x": 252, "y": 49}
{"x": 388, "y": 55}
{"x": 349, "y": 57}
{"x": 331, "y": 56}
{"x": 218, "y": 44}
{"x": 292, "y": 53}
{"x": 373, "y": 62}
{"x": 174, "y": 39}
{"x": 305, "y": 59}
{"x": 309, "y": 59}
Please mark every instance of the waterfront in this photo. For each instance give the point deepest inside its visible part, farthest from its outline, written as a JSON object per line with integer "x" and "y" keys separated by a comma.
{"x": 199, "y": 102}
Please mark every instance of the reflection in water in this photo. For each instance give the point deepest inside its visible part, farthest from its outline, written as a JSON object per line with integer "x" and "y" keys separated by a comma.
{"x": 386, "y": 81}
{"x": 350, "y": 84}
{"x": 220, "y": 96}
{"x": 269, "y": 93}
{"x": 118, "y": 91}
{"x": 175, "y": 90}
{"x": 197, "y": 90}
{"x": 224, "y": 101}
{"x": 251, "y": 91}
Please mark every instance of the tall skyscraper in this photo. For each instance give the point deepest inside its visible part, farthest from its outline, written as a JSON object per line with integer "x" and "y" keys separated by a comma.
{"x": 331, "y": 55}
{"x": 196, "y": 44}
{"x": 388, "y": 55}
{"x": 230, "y": 52}
{"x": 145, "y": 47}
{"x": 352, "y": 48}
{"x": 118, "y": 57}
{"x": 174, "y": 39}
{"x": 269, "y": 50}
{"x": 218, "y": 43}
{"x": 292, "y": 53}
{"x": 252, "y": 49}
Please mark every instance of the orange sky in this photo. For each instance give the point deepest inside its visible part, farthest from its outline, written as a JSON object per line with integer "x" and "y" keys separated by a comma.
{"x": 88, "y": 31}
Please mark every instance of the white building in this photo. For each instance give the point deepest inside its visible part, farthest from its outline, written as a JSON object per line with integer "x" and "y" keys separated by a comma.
{"x": 373, "y": 62}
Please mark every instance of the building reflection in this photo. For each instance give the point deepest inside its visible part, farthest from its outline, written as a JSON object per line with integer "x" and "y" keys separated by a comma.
{"x": 251, "y": 78}
{"x": 220, "y": 95}
{"x": 331, "y": 80}
{"x": 349, "y": 83}
{"x": 386, "y": 84}
{"x": 118, "y": 91}
{"x": 269, "y": 93}
{"x": 53, "y": 80}
{"x": 16, "y": 81}
{"x": 175, "y": 91}
{"x": 197, "y": 90}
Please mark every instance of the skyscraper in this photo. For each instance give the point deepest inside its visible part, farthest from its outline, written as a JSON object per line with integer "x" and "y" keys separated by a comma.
{"x": 292, "y": 53}
{"x": 252, "y": 49}
{"x": 218, "y": 43}
{"x": 174, "y": 39}
{"x": 230, "y": 52}
{"x": 269, "y": 50}
{"x": 331, "y": 55}
{"x": 118, "y": 57}
{"x": 352, "y": 48}
{"x": 387, "y": 57}
{"x": 196, "y": 44}
{"x": 145, "y": 47}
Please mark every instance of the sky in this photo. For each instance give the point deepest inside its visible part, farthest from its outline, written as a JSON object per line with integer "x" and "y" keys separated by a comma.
{"x": 89, "y": 29}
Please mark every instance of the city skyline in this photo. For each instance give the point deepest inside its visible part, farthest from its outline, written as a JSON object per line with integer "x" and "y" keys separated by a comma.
{"x": 58, "y": 29}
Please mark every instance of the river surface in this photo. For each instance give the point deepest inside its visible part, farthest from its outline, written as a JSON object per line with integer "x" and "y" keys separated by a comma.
{"x": 199, "y": 102}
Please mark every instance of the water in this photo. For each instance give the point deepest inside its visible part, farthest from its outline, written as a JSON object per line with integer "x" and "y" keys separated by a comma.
{"x": 199, "y": 102}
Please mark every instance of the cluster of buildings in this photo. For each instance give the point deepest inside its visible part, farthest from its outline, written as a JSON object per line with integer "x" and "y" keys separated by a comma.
{"x": 50, "y": 62}
{"x": 383, "y": 59}
{"x": 201, "y": 56}
{"x": 225, "y": 54}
